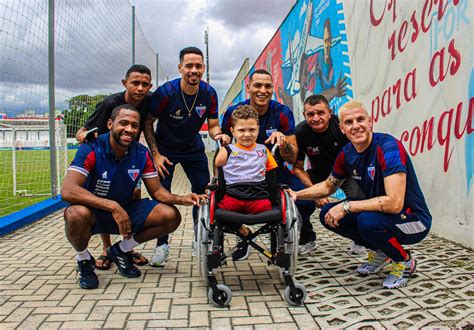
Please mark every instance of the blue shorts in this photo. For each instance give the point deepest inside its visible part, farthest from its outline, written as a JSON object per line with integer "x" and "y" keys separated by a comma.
{"x": 137, "y": 211}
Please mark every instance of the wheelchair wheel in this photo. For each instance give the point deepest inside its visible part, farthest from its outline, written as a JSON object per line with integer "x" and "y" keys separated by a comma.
{"x": 299, "y": 298}
{"x": 216, "y": 300}
{"x": 293, "y": 228}
{"x": 202, "y": 242}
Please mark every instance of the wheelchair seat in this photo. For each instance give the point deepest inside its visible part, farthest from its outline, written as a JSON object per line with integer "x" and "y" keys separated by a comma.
{"x": 273, "y": 215}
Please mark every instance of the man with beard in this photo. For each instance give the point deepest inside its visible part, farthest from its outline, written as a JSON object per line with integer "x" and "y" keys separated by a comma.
{"x": 100, "y": 184}
{"x": 181, "y": 107}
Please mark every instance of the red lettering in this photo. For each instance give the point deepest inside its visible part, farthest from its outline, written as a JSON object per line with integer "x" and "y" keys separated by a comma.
{"x": 396, "y": 91}
{"x": 401, "y": 36}
{"x": 416, "y": 27}
{"x": 373, "y": 20}
{"x": 425, "y": 15}
{"x": 391, "y": 44}
{"x": 386, "y": 104}
{"x": 416, "y": 132}
{"x": 428, "y": 126}
{"x": 454, "y": 53}
{"x": 375, "y": 115}
{"x": 446, "y": 139}
{"x": 438, "y": 56}
{"x": 410, "y": 76}
{"x": 394, "y": 11}
{"x": 469, "y": 129}
{"x": 441, "y": 8}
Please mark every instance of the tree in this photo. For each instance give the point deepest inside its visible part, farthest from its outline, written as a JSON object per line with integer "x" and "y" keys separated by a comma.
{"x": 80, "y": 108}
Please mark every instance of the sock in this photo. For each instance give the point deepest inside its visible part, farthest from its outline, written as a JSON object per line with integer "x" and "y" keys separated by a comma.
{"x": 127, "y": 245}
{"x": 83, "y": 255}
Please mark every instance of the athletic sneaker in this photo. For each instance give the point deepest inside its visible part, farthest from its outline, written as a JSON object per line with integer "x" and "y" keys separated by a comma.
{"x": 87, "y": 277}
{"x": 399, "y": 273}
{"x": 158, "y": 259}
{"x": 376, "y": 261}
{"x": 242, "y": 253}
{"x": 123, "y": 260}
{"x": 307, "y": 248}
{"x": 357, "y": 249}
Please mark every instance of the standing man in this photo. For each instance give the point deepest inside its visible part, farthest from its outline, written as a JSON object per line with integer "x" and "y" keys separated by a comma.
{"x": 277, "y": 126}
{"x": 181, "y": 107}
{"x": 320, "y": 139}
{"x": 394, "y": 211}
{"x": 100, "y": 184}
{"x": 137, "y": 83}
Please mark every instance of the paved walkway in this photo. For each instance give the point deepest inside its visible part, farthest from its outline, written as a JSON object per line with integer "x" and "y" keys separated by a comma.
{"x": 38, "y": 287}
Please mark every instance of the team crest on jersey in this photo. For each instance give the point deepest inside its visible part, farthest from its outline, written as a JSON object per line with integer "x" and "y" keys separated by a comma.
{"x": 133, "y": 173}
{"x": 371, "y": 172}
{"x": 201, "y": 110}
{"x": 312, "y": 150}
{"x": 270, "y": 131}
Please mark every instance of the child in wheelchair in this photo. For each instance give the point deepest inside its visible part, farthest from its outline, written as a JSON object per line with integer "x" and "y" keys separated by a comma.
{"x": 244, "y": 165}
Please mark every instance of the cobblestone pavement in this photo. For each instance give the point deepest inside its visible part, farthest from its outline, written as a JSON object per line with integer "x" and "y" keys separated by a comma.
{"x": 39, "y": 289}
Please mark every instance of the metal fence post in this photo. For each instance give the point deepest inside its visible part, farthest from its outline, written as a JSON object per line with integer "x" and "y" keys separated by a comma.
{"x": 51, "y": 85}
{"x": 133, "y": 34}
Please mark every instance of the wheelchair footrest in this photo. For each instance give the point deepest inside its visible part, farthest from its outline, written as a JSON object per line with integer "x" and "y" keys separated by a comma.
{"x": 283, "y": 260}
{"x": 213, "y": 260}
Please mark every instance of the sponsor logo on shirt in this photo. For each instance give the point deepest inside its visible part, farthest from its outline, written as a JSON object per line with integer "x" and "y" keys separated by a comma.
{"x": 177, "y": 115}
{"x": 355, "y": 176}
{"x": 313, "y": 151}
{"x": 201, "y": 110}
{"x": 371, "y": 172}
{"x": 104, "y": 175}
{"x": 133, "y": 173}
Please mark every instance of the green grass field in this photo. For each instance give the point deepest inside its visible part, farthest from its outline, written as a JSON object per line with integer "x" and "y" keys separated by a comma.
{"x": 33, "y": 177}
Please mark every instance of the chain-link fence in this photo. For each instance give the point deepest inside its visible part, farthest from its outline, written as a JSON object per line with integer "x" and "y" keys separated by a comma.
{"x": 93, "y": 48}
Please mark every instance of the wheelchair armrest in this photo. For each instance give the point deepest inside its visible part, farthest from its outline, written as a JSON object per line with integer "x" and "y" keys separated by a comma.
{"x": 213, "y": 184}
{"x": 283, "y": 186}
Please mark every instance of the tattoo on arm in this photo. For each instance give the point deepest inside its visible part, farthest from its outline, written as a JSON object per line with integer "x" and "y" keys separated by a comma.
{"x": 150, "y": 137}
{"x": 335, "y": 182}
{"x": 380, "y": 203}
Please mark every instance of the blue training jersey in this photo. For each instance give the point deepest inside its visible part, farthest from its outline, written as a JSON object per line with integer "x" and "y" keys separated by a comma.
{"x": 278, "y": 117}
{"x": 385, "y": 156}
{"x": 179, "y": 122}
{"x": 109, "y": 177}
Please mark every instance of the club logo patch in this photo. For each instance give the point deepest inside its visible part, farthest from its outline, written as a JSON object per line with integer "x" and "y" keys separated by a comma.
{"x": 133, "y": 173}
{"x": 371, "y": 172}
{"x": 201, "y": 110}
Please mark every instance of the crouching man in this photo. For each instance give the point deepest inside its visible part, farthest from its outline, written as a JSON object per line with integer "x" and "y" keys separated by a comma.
{"x": 394, "y": 212}
{"x": 100, "y": 184}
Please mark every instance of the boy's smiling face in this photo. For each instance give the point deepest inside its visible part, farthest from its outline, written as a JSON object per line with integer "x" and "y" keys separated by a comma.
{"x": 245, "y": 131}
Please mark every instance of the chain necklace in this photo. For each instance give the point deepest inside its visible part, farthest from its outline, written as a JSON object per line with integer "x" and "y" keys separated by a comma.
{"x": 186, "y": 105}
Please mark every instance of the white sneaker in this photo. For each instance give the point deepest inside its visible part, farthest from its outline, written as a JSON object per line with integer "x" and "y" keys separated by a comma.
{"x": 376, "y": 261}
{"x": 158, "y": 259}
{"x": 357, "y": 249}
{"x": 400, "y": 273}
{"x": 307, "y": 248}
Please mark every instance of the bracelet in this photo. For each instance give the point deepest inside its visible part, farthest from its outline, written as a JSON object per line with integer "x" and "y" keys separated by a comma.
{"x": 346, "y": 207}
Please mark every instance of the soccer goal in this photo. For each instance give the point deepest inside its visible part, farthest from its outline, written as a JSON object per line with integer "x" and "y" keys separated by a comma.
{"x": 25, "y": 161}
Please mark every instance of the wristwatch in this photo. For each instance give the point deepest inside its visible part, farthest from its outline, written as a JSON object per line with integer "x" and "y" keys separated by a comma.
{"x": 346, "y": 206}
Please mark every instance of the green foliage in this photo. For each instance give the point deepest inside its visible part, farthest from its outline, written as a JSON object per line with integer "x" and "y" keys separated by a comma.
{"x": 80, "y": 108}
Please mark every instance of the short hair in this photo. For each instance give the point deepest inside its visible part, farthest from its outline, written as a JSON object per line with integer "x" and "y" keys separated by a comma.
{"x": 244, "y": 112}
{"x": 316, "y": 99}
{"x": 354, "y": 104}
{"x": 189, "y": 50}
{"x": 260, "y": 71}
{"x": 116, "y": 110}
{"x": 140, "y": 68}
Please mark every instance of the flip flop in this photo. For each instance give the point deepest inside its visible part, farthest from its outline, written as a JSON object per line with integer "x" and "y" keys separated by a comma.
{"x": 105, "y": 264}
{"x": 138, "y": 258}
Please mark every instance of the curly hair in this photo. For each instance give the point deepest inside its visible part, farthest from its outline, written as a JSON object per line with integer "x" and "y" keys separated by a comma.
{"x": 244, "y": 112}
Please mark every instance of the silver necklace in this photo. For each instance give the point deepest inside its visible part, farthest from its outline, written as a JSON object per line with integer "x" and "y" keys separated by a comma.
{"x": 186, "y": 105}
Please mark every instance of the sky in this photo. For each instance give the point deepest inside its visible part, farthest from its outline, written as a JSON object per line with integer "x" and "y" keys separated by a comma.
{"x": 237, "y": 29}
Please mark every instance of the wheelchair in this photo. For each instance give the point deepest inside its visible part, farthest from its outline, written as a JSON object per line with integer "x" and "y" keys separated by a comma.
{"x": 282, "y": 223}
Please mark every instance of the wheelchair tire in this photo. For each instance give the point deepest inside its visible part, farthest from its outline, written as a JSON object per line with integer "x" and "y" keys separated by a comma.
{"x": 202, "y": 236}
{"x": 300, "y": 296}
{"x": 214, "y": 299}
{"x": 293, "y": 227}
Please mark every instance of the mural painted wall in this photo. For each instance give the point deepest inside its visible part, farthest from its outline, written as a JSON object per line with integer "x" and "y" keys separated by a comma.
{"x": 411, "y": 63}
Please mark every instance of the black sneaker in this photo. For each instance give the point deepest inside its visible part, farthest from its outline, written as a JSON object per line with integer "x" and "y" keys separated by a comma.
{"x": 242, "y": 253}
{"x": 87, "y": 278}
{"x": 124, "y": 261}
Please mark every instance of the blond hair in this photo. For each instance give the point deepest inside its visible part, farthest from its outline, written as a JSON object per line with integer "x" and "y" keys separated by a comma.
{"x": 354, "y": 104}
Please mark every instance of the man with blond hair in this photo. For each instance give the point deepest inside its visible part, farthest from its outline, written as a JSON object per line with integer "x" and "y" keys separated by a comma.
{"x": 394, "y": 211}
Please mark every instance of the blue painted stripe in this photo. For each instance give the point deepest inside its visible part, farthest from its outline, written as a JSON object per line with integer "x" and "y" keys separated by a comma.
{"x": 30, "y": 214}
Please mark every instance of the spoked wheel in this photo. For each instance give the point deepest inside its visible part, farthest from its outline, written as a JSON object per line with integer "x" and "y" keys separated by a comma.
{"x": 297, "y": 299}
{"x": 220, "y": 301}
{"x": 202, "y": 242}
{"x": 293, "y": 227}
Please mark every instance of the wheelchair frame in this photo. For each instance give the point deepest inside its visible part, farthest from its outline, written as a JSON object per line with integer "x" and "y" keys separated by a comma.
{"x": 284, "y": 236}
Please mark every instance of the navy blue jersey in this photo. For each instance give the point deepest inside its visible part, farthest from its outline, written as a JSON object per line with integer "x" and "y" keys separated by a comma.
{"x": 278, "y": 117}
{"x": 179, "y": 122}
{"x": 109, "y": 177}
{"x": 385, "y": 156}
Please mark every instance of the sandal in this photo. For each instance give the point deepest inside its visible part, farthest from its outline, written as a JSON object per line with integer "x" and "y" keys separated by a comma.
{"x": 138, "y": 258}
{"x": 104, "y": 263}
